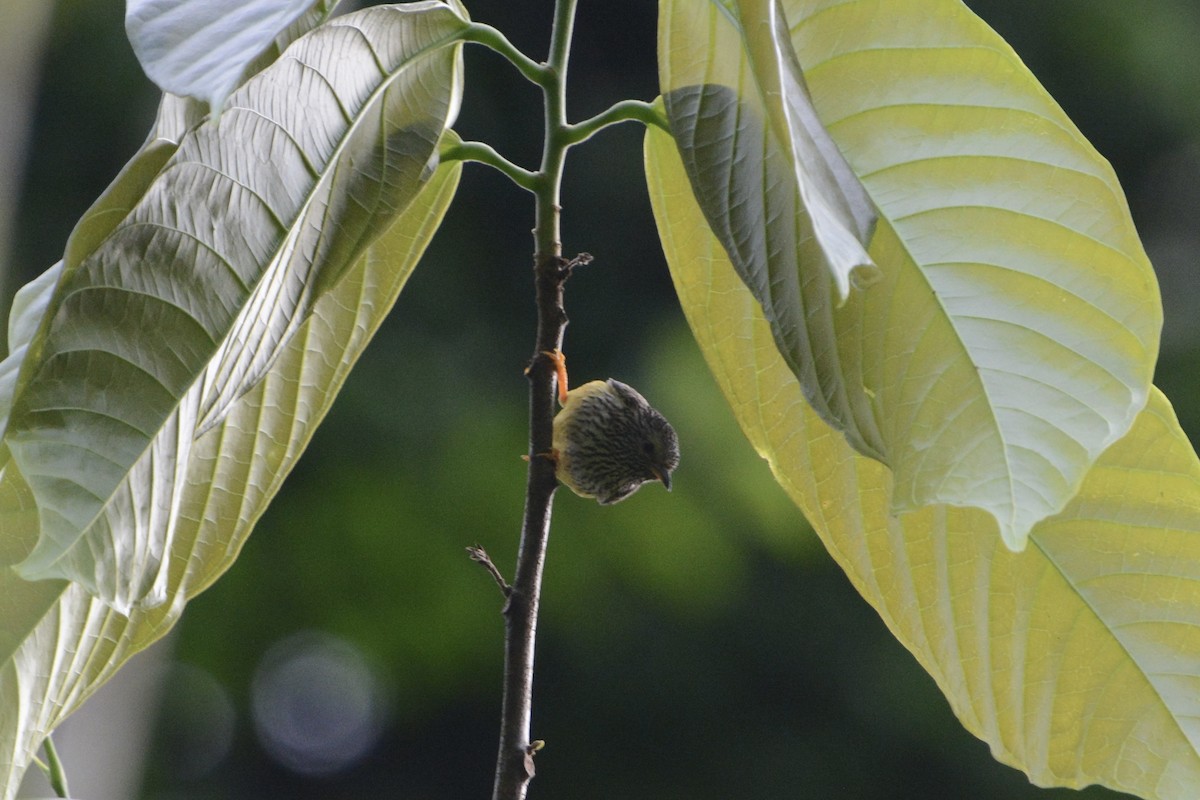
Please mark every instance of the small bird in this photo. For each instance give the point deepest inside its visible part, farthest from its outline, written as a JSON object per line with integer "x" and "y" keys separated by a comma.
{"x": 608, "y": 441}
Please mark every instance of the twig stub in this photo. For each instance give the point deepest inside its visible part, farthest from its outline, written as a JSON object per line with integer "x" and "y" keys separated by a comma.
{"x": 480, "y": 556}
{"x": 565, "y": 266}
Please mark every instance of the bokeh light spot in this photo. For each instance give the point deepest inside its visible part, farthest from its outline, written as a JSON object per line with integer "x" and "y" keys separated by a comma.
{"x": 318, "y": 706}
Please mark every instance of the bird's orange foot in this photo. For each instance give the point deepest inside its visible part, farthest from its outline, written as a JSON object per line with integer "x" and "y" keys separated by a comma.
{"x": 560, "y": 370}
{"x": 552, "y": 456}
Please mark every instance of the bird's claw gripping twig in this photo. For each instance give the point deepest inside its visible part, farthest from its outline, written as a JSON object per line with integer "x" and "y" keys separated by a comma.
{"x": 560, "y": 370}
{"x": 551, "y": 456}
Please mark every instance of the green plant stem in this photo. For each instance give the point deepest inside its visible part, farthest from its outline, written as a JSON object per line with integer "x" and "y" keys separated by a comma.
{"x": 54, "y": 769}
{"x": 492, "y": 38}
{"x": 483, "y": 153}
{"x": 624, "y": 111}
{"x": 514, "y": 761}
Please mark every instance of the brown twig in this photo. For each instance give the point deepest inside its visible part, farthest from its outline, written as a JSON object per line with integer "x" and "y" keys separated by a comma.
{"x": 514, "y": 761}
{"x": 514, "y": 766}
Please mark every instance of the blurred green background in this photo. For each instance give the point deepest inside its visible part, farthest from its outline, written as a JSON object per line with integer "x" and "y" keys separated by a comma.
{"x": 697, "y": 645}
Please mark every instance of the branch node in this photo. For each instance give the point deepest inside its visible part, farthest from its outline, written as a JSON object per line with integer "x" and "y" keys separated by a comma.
{"x": 480, "y": 556}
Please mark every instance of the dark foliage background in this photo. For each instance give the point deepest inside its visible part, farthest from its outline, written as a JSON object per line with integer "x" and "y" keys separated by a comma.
{"x": 697, "y": 645}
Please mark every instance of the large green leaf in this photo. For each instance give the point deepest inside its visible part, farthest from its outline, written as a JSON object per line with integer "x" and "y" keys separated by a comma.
{"x": 190, "y": 299}
{"x": 177, "y": 115}
{"x": 58, "y": 643}
{"x": 1014, "y": 333}
{"x": 1077, "y": 660}
{"x": 200, "y": 48}
{"x": 773, "y": 186}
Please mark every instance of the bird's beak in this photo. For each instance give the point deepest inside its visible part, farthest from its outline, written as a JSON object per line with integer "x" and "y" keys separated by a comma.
{"x": 665, "y": 477}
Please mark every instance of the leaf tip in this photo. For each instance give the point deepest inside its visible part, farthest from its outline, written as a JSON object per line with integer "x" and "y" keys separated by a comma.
{"x": 1015, "y": 539}
{"x": 861, "y": 277}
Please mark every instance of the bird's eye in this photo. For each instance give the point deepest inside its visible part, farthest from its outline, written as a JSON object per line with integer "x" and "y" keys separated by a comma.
{"x": 648, "y": 448}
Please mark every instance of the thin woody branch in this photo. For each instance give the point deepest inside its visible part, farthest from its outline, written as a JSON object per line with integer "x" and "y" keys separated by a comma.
{"x": 514, "y": 761}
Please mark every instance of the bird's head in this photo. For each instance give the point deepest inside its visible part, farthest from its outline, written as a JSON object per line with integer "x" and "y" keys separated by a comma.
{"x": 659, "y": 448}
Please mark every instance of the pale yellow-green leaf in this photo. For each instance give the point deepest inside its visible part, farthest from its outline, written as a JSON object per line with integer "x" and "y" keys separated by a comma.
{"x": 181, "y": 301}
{"x": 58, "y": 643}
{"x": 1076, "y": 660}
{"x": 772, "y": 184}
{"x": 1014, "y": 334}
